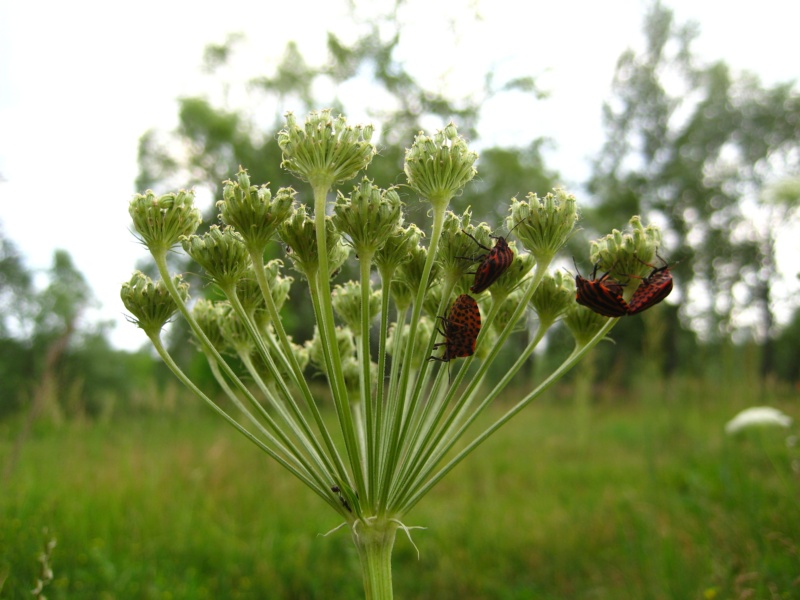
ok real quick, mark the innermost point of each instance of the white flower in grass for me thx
(757, 416)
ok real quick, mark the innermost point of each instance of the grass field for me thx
(645, 498)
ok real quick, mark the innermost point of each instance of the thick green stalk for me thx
(374, 540)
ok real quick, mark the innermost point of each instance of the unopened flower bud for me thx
(368, 216)
(346, 301)
(627, 256)
(208, 315)
(554, 296)
(511, 278)
(235, 332)
(344, 339)
(508, 305)
(397, 248)
(299, 233)
(456, 247)
(325, 150)
(409, 276)
(351, 369)
(544, 225)
(252, 210)
(251, 297)
(161, 221)
(438, 167)
(583, 323)
(221, 252)
(151, 303)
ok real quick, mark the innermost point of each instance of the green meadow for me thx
(639, 496)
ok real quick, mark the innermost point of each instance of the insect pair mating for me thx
(604, 295)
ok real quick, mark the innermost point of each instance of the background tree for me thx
(693, 147)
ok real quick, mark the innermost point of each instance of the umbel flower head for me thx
(299, 234)
(325, 150)
(252, 210)
(221, 252)
(456, 246)
(161, 221)
(544, 224)
(397, 247)
(627, 255)
(150, 303)
(583, 323)
(438, 167)
(402, 419)
(554, 296)
(346, 300)
(757, 416)
(209, 317)
(367, 216)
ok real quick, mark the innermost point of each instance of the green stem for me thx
(433, 441)
(290, 463)
(400, 402)
(391, 399)
(161, 262)
(295, 421)
(374, 540)
(257, 258)
(365, 380)
(575, 357)
(327, 329)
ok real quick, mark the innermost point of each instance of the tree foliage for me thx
(694, 146)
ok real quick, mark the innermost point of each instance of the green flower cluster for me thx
(399, 415)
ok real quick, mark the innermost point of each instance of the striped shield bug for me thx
(493, 264)
(653, 289)
(462, 324)
(603, 296)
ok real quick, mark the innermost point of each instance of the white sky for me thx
(81, 81)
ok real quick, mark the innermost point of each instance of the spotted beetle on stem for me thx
(462, 324)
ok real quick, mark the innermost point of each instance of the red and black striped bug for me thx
(493, 264)
(653, 289)
(462, 324)
(603, 296)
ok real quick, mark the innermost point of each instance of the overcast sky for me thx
(81, 81)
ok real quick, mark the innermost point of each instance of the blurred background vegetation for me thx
(709, 155)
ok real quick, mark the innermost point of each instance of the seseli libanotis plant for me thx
(399, 414)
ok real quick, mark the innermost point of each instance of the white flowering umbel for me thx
(403, 420)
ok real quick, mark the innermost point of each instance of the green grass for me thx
(650, 501)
